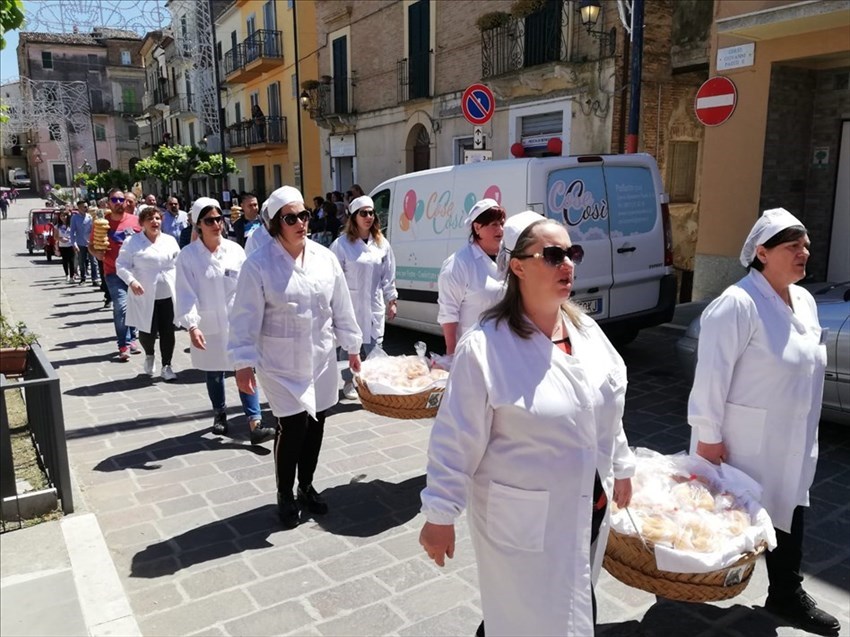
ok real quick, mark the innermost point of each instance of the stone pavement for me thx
(190, 522)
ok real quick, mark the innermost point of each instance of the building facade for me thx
(787, 144)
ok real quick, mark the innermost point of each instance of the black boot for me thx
(803, 612)
(219, 427)
(311, 500)
(287, 509)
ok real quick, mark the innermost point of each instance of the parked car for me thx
(833, 301)
(19, 178)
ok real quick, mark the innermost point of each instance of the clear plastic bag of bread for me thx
(400, 375)
(100, 231)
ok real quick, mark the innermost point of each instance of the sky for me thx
(53, 16)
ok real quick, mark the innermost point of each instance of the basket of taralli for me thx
(692, 532)
(405, 387)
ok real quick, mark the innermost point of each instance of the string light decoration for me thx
(62, 107)
(83, 16)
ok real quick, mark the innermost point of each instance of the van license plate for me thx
(591, 306)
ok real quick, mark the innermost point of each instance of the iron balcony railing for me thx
(269, 129)
(129, 108)
(414, 76)
(264, 43)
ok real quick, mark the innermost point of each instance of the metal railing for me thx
(269, 129)
(129, 108)
(414, 76)
(260, 44)
(46, 423)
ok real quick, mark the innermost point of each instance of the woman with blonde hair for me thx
(369, 265)
(530, 436)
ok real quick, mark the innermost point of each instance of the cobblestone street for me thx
(190, 518)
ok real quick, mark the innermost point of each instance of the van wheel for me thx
(621, 338)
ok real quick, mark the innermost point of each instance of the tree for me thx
(95, 182)
(11, 17)
(181, 163)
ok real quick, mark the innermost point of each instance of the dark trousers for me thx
(162, 326)
(297, 443)
(783, 562)
(69, 261)
(103, 287)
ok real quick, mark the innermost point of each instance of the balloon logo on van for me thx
(440, 209)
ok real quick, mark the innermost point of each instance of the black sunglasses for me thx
(556, 255)
(117, 199)
(211, 221)
(291, 219)
(366, 213)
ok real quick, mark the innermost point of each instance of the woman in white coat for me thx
(207, 272)
(291, 303)
(757, 392)
(147, 264)
(469, 280)
(369, 266)
(530, 431)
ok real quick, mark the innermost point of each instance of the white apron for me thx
(148, 263)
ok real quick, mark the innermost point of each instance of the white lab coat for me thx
(370, 274)
(521, 431)
(206, 287)
(284, 320)
(257, 239)
(758, 388)
(149, 264)
(469, 283)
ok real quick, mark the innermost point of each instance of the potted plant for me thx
(15, 342)
(524, 8)
(492, 20)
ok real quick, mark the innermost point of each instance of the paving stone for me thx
(133, 536)
(347, 597)
(277, 561)
(216, 579)
(404, 575)
(290, 585)
(159, 494)
(378, 619)
(433, 598)
(460, 620)
(155, 599)
(184, 474)
(197, 615)
(231, 493)
(403, 546)
(208, 483)
(355, 563)
(323, 546)
(274, 620)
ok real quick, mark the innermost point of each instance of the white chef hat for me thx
(480, 206)
(281, 197)
(514, 227)
(264, 212)
(768, 225)
(200, 204)
(361, 202)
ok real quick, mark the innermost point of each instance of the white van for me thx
(613, 205)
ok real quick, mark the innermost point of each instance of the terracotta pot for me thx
(13, 361)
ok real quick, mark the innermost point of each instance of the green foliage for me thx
(11, 17)
(15, 335)
(181, 163)
(95, 182)
(212, 166)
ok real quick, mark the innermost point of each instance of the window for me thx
(132, 131)
(218, 51)
(682, 171)
(92, 59)
(419, 49)
(278, 178)
(96, 100)
(462, 144)
(269, 18)
(191, 133)
(100, 132)
(128, 97)
(125, 58)
(46, 60)
(237, 112)
(382, 207)
(55, 132)
(290, 4)
(339, 68)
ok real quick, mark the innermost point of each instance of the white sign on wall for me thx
(475, 156)
(343, 146)
(736, 57)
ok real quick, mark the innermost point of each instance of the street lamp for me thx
(589, 11)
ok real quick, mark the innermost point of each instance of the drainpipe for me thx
(637, 63)
(298, 103)
(224, 183)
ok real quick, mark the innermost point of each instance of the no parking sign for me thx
(478, 104)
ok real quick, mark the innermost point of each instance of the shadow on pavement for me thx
(83, 342)
(667, 617)
(106, 320)
(364, 509)
(140, 381)
(208, 542)
(137, 424)
(60, 315)
(194, 442)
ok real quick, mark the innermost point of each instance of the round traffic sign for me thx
(715, 101)
(478, 104)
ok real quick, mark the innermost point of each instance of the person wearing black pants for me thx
(297, 444)
(107, 297)
(162, 326)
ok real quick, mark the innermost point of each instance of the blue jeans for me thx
(215, 389)
(118, 292)
(86, 263)
(342, 355)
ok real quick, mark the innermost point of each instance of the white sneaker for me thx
(149, 365)
(168, 373)
(349, 391)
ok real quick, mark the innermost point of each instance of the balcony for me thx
(414, 76)
(254, 134)
(182, 104)
(551, 34)
(129, 109)
(259, 53)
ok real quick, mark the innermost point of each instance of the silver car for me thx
(833, 301)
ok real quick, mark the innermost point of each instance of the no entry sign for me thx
(478, 104)
(715, 101)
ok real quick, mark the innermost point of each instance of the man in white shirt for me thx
(174, 219)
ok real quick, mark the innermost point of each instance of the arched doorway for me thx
(103, 165)
(418, 149)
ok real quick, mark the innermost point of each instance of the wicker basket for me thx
(408, 407)
(633, 563)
